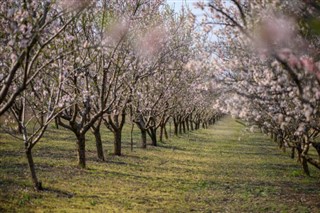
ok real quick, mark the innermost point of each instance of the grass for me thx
(220, 169)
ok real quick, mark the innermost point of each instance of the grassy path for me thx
(221, 169)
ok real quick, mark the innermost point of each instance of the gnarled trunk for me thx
(153, 135)
(97, 135)
(165, 132)
(117, 142)
(187, 124)
(304, 155)
(176, 126)
(305, 166)
(143, 138)
(115, 124)
(317, 147)
(162, 127)
(183, 127)
(81, 143)
(36, 183)
(191, 124)
(56, 123)
(292, 152)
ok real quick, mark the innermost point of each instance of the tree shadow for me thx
(59, 193)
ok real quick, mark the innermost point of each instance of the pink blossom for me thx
(308, 64)
(117, 31)
(277, 30)
(74, 4)
(150, 43)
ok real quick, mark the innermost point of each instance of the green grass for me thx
(221, 169)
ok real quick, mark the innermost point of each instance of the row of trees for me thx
(267, 68)
(84, 64)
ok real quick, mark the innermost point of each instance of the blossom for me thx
(151, 42)
(308, 64)
(74, 4)
(116, 31)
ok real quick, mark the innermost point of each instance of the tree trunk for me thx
(131, 136)
(143, 138)
(304, 154)
(19, 129)
(292, 152)
(299, 151)
(184, 127)
(317, 147)
(180, 127)
(81, 142)
(165, 132)
(191, 125)
(97, 135)
(176, 126)
(36, 183)
(161, 132)
(153, 135)
(117, 142)
(56, 122)
(187, 124)
(197, 125)
(271, 135)
(305, 166)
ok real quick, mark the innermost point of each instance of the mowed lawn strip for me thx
(224, 168)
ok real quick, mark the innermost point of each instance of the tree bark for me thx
(176, 126)
(81, 142)
(36, 183)
(143, 138)
(305, 166)
(131, 137)
(183, 127)
(117, 142)
(153, 135)
(56, 122)
(317, 147)
(116, 125)
(187, 124)
(165, 132)
(191, 125)
(161, 132)
(292, 152)
(304, 155)
(197, 125)
(97, 135)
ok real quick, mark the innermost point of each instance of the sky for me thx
(177, 4)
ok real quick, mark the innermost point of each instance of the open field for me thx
(221, 169)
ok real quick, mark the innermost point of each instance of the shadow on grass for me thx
(59, 193)
(250, 153)
(9, 153)
(171, 147)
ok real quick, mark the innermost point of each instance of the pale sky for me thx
(177, 4)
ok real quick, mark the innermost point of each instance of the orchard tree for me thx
(27, 30)
(266, 59)
(31, 85)
(39, 104)
(89, 82)
(166, 57)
